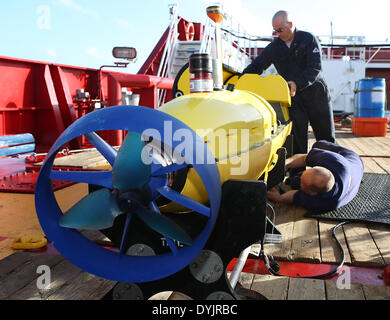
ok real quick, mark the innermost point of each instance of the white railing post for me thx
(166, 57)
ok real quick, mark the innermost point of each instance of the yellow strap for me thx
(27, 242)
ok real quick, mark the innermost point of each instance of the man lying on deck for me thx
(332, 181)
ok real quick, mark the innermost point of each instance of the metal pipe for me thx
(218, 71)
(167, 44)
(235, 275)
(142, 80)
(215, 14)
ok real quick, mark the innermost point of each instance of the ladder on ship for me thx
(181, 55)
(239, 48)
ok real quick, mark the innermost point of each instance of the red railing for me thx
(41, 98)
(152, 63)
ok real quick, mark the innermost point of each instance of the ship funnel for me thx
(215, 14)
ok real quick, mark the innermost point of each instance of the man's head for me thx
(283, 27)
(317, 180)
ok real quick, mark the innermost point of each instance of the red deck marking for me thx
(369, 276)
(48, 249)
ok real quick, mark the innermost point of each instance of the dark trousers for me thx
(311, 105)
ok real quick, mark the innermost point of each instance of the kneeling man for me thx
(332, 180)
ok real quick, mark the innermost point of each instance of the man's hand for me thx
(296, 161)
(287, 197)
(273, 195)
(293, 88)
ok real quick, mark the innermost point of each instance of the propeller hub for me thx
(133, 199)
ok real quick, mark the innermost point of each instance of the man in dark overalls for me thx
(296, 56)
(331, 182)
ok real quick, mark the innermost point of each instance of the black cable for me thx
(246, 38)
(274, 272)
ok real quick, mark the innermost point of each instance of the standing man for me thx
(296, 56)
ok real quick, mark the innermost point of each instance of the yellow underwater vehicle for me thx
(240, 127)
(185, 193)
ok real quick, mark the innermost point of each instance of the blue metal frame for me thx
(86, 254)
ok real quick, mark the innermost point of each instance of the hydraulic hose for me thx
(273, 267)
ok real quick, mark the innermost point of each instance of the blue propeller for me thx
(129, 170)
(130, 194)
(96, 211)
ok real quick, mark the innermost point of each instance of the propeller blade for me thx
(163, 225)
(124, 235)
(95, 211)
(130, 171)
(153, 206)
(184, 201)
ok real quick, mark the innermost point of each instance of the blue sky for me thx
(83, 32)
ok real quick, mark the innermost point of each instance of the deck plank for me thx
(104, 287)
(384, 163)
(284, 221)
(89, 159)
(305, 242)
(13, 261)
(81, 287)
(77, 159)
(362, 247)
(381, 237)
(306, 289)
(330, 251)
(26, 273)
(246, 279)
(377, 145)
(271, 287)
(376, 292)
(355, 292)
(346, 142)
(60, 275)
(19, 278)
(363, 144)
(371, 166)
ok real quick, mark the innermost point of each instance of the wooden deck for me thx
(311, 240)
(19, 279)
(283, 288)
(18, 270)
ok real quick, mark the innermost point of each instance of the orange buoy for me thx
(215, 14)
(190, 31)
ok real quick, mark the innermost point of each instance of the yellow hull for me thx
(240, 129)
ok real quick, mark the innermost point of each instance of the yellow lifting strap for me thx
(28, 242)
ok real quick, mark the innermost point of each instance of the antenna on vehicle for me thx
(215, 14)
